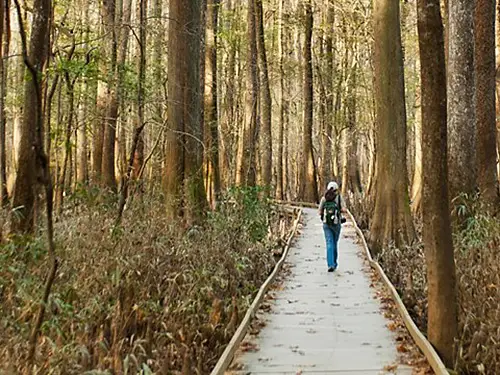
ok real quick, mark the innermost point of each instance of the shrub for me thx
(149, 297)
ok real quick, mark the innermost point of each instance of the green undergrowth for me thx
(477, 257)
(151, 297)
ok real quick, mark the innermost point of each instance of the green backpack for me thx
(332, 212)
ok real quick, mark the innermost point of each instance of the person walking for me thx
(330, 210)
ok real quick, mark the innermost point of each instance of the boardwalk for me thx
(320, 322)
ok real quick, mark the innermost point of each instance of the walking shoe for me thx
(331, 269)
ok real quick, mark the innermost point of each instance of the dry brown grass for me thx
(148, 297)
(477, 256)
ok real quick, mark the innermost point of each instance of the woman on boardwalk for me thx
(331, 208)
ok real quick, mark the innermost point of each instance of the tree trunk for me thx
(111, 109)
(461, 106)
(484, 33)
(82, 169)
(392, 219)
(442, 300)
(61, 182)
(211, 121)
(326, 135)
(82, 174)
(23, 199)
(184, 164)
(280, 192)
(416, 189)
(17, 122)
(497, 85)
(141, 80)
(108, 151)
(228, 110)
(265, 101)
(4, 52)
(308, 183)
(157, 36)
(353, 181)
(246, 172)
(98, 132)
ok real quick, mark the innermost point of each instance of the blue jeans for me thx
(332, 235)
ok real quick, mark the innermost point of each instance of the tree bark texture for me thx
(111, 109)
(461, 106)
(23, 199)
(442, 299)
(98, 132)
(280, 192)
(327, 135)
(246, 166)
(392, 221)
(185, 194)
(265, 101)
(308, 181)
(416, 186)
(4, 48)
(61, 179)
(484, 61)
(211, 121)
(141, 81)
(497, 83)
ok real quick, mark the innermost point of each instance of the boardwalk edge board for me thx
(421, 341)
(228, 354)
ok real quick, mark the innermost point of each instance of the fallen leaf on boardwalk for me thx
(390, 368)
(249, 347)
(402, 348)
(392, 326)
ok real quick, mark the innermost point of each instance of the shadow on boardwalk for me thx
(320, 322)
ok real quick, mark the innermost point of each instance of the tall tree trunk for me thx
(111, 109)
(497, 84)
(461, 106)
(4, 52)
(265, 101)
(353, 181)
(308, 183)
(157, 32)
(61, 179)
(139, 151)
(211, 121)
(82, 172)
(246, 172)
(326, 135)
(228, 110)
(17, 121)
(183, 175)
(484, 33)
(416, 189)
(23, 199)
(442, 313)
(392, 220)
(280, 191)
(98, 132)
